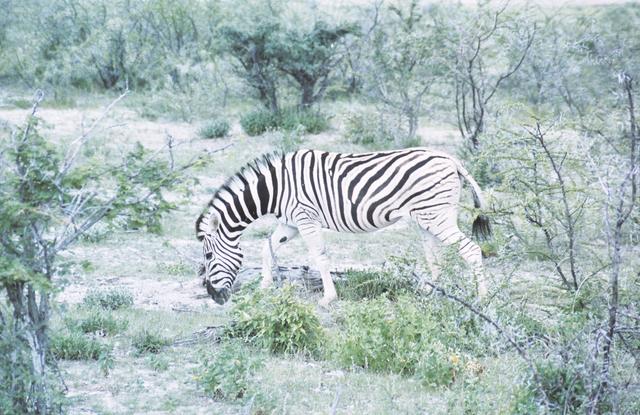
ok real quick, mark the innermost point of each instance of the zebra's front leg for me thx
(315, 244)
(281, 235)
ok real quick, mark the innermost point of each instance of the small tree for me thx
(48, 199)
(309, 57)
(256, 64)
(406, 62)
(619, 184)
(490, 46)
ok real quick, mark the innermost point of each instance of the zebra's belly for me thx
(360, 219)
(364, 228)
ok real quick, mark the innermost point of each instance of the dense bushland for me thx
(543, 100)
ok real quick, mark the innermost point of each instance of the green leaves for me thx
(277, 321)
(269, 51)
(405, 336)
(227, 373)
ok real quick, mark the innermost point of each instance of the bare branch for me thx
(76, 145)
(522, 352)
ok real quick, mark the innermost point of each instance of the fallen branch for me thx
(211, 334)
(305, 276)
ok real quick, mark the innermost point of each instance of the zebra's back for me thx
(363, 192)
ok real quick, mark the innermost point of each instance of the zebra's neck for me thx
(248, 195)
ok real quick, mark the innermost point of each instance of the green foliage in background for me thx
(52, 193)
(74, 345)
(257, 122)
(227, 372)
(108, 298)
(98, 321)
(149, 341)
(16, 374)
(312, 121)
(217, 128)
(403, 336)
(260, 121)
(368, 284)
(278, 321)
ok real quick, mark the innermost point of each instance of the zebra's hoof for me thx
(326, 300)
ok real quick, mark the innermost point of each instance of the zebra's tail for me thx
(481, 227)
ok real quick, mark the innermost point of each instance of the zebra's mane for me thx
(249, 171)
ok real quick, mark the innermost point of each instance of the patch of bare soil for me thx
(149, 294)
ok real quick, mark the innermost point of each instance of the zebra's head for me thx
(222, 258)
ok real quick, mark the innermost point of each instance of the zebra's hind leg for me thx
(431, 246)
(281, 235)
(446, 230)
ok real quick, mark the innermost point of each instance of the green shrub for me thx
(109, 299)
(159, 363)
(289, 141)
(227, 373)
(313, 122)
(368, 129)
(148, 341)
(98, 321)
(375, 131)
(21, 103)
(438, 365)
(371, 283)
(214, 129)
(364, 128)
(402, 336)
(277, 321)
(564, 383)
(258, 122)
(76, 346)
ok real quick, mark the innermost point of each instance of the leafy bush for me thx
(365, 128)
(437, 365)
(313, 122)
(277, 321)
(393, 280)
(374, 130)
(564, 383)
(227, 373)
(214, 129)
(76, 346)
(98, 321)
(109, 299)
(361, 284)
(159, 363)
(258, 122)
(148, 341)
(402, 336)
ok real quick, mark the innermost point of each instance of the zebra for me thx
(308, 190)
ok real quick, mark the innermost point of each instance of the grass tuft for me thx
(148, 341)
(109, 299)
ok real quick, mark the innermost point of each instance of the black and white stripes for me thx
(309, 190)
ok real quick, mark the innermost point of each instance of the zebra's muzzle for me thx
(220, 296)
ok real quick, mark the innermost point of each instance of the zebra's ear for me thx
(206, 224)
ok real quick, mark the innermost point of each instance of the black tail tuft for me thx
(481, 228)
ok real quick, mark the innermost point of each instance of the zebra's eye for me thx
(208, 255)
